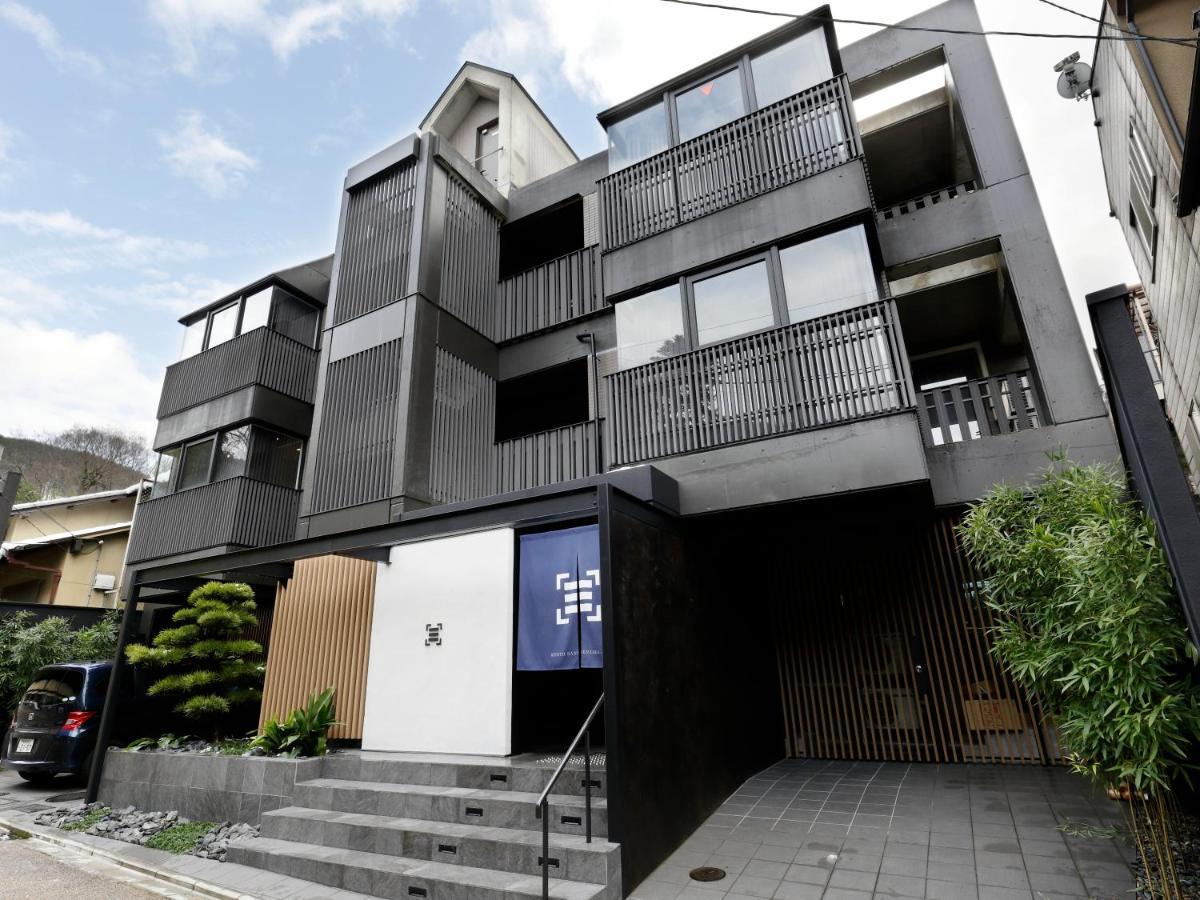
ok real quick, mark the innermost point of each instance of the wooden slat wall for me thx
(890, 661)
(321, 636)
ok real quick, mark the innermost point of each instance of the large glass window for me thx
(196, 460)
(634, 138)
(257, 310)
(224, 325)
(710, 105)
(733, 303)
(791, 68)
(295, 318)
(650, 327)
(165, 472)
(231, 453)
(828, 274)
(275, 457)
(193, 338)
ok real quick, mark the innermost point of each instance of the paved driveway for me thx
(852, 831)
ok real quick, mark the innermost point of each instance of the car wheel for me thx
(37, 777)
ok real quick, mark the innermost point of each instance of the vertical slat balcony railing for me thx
(237, 512)
(261, 356)
(985, 407)
(821, 372)
(785, 142)
(548, 295)
(548, 457)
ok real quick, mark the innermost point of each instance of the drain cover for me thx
(706, 873)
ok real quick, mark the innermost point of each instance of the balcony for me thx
(984, 407)
(548, 457)
(236, 512)
(555, 292)
(813, 374)
(259, 357)
(777, 145)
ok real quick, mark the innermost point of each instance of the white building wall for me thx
(456, 697)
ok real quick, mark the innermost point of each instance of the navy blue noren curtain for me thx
(558, 601)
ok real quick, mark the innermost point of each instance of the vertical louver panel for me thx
(373, 268)
(464, 423)
(358, 432)
(470, 258)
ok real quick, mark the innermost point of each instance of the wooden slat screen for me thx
(321, 636)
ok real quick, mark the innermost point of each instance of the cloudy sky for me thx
(155, 154)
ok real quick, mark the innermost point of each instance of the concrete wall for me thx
(455, 697)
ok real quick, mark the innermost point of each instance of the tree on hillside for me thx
(104, 453)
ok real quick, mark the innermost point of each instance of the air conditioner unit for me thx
(104, 582)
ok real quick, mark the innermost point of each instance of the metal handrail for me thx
(543, 803)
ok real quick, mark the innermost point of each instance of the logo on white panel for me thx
(577, 596)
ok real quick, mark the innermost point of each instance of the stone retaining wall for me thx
(203, 787)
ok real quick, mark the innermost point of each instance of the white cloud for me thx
(80, 244)
(46, 36)
(19, 294)
(197, 151)
(55, 378)
(168, 296)
(193, 27)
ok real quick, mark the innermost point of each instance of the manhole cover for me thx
(706, 873)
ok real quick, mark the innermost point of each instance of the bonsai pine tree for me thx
(209, 665)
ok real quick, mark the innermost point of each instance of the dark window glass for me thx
(54, 688)
(275, 457)
(828, 274)
(539, 401)
(791, 68)
(231, 454)
(164, 472)
(256, 310)
(196, 459)
(710, 105)
(546, 235)
(295, 318)
(636, 137)
(733, 303)
(224, 325)
(650, 327)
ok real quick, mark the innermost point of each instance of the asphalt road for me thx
(28, 874)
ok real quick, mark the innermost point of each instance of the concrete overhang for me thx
(256, 403)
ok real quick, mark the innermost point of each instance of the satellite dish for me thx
(1074, 78)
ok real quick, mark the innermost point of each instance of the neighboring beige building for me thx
(69, 551)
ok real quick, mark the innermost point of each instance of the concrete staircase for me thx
(406, 826)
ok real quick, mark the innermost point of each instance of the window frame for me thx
(1143, 187)
(216, 436)
(672, 98)
(239, 301)
(774, 288)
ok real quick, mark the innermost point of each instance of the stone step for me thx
(399, 878)
(508, 849)
(501, 775)
(466, 806)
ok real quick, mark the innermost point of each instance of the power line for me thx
(1190, 42)
(1114, 25)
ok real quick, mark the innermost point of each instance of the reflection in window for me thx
(650, 327)
(791, 68)
(828, 274)
(231, 455)
(224, 325)
(295, 318)
(710, 105)
(633, 139)
(257, 311)
(193, 338)
(196, 459)
(276, 457)
(165, 472)
(733, 303)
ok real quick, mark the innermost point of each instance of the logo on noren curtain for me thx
(577, 597)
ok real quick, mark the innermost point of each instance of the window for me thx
(256, 310)
(276, 457)
(197, 460)
(633, 139)
(295, 318)
(650, 327)
(231, 453)
(733, 303)
(828, 274)
(710, 105)
(223, 326)
(193, 337)
(791, 68)
(1142, 184)
(164, 472)
(487, 147)
(542, 400)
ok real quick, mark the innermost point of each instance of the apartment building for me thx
(686, 424)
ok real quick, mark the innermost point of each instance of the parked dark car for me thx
(55, 725)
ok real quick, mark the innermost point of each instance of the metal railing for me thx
(985, 407)
(774, 146)
(261, 356)
(813, 374)
(548, 295)
(547, 457)
(543, 801)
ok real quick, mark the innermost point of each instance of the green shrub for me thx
(205, 657)
(179, 838)
(26, 646)
(303, 732)
(92, 817)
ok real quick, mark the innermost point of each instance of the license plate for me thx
(25, 745)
